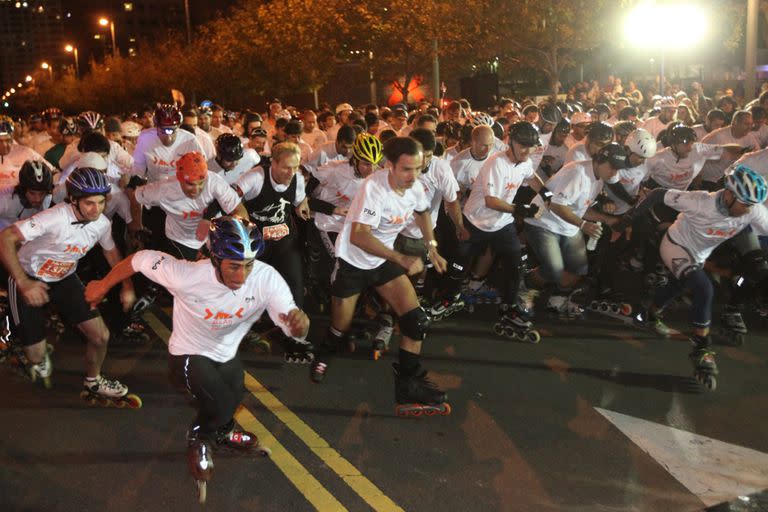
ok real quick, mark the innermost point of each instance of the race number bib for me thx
(275, 232)
(55, 269)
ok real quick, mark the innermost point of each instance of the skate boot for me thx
(258, 341)
(383, 336)
(200, 464)
(298, 351)
(418, 395)
(733, 327)
(135, 331)
(42, 371)
(229, 436)
(108, 393)
(334, 342)
(611, 304)
(652, 321)
(445, 308)
(512, 325)
(703, 359)
(564, 307)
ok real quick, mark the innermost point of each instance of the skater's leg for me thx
(400, 294)
(702, 292)
(97, 337)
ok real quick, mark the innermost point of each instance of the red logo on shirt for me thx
(397, 219)
(342, 197)
(191, 215)
(222, 315)
(76, 249)
(510, 186)
(719, 233)
(162, 163)
(679, 177)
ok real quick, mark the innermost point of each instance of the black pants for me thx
(218, 388)
(285, 256)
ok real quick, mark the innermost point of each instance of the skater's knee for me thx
(415, 324)
(698, 282)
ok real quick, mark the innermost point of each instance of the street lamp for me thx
(28, 78)
(646, 27)
(104, 22)
(47, 67)
(71, 49)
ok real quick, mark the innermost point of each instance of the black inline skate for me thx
(417, 395)
(445, 308)
(298, 351)
(514, 326)
(611, 304)
(732, 327)
(200, 464)
(703, 360)
(380, 343)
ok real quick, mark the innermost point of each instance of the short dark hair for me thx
(281, 123)
(758, 113)
(426, 118)
(93, 142)
(371, 118)
(425, 137)
(714, 114)
(387, 135)
(399, 146)
(293, 127)
(626, 112)
(346, 134)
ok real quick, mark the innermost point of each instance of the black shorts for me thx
(180, 251)
(348, 280)
(67, 297)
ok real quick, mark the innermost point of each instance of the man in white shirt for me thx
(339, 149)
(599, 134)
(192, 120)
(41, 254)
(343, 110)
(30, 196)
(215, 303)
(311, 134)
(553, 156)
(580, 122)
(217, 123)
(716, 119)
(12, 155)
(90, 121)
(381, 209)
(293, 133)
(232, 160)
(739, 133)
(654, 125)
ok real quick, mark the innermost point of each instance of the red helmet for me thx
(191, 167)
(167, 116)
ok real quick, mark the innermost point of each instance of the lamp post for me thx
(48, 68)
(73, 50)
(644, 28)
(104, 22)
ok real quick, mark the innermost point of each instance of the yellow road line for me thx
(299, 476)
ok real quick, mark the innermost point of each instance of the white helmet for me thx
(667, 102)
(480, 119)
(130, 129)
(642, 143)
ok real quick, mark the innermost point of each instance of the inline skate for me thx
(200, 464)
(484, 294)
(513, 325)
(108, 393)
(383, 336)
(732, 327)
(445, 308)
(703, 360)
(564, 307)
(298, 351)
(417, 395)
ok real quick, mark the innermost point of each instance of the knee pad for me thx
(415, 324)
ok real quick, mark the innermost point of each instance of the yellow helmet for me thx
(367, 148)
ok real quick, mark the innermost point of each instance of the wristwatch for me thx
(432, 243)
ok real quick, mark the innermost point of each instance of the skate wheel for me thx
(430, 412)
(376, 355)
(120, 404)
(445, 409)
(498, 329)
(626, 309)
(202, 491)
(510, 333)
(263, 451)
(47, 384)
(594, 305)
(401, 411)
(133, 401)
(416, 412)
(533, 337)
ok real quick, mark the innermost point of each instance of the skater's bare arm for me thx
(592, 229)
(424, 222)
(97, 289)
(297, 322)
(494, 203)
(362, 237)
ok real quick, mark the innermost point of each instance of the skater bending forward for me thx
(215, 303)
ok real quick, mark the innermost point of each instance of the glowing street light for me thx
(47, 67)
(71, 49)
(28, 78)
(646, 27)
(104, 22)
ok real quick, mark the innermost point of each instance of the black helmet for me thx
(167, 116)
(600, 132)
(524, 134)
(34, 175)
(680, 134)
(229, 147)
(550, 114)
(90, 121)
(563, 126)
(614, 154)
(624, 128)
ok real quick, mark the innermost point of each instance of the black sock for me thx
(409, 363)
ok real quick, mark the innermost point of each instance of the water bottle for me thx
(592, 242)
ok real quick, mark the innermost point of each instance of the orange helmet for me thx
(191, 167)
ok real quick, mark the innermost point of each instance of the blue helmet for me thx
(232, 238)
(748, 186)
(86, 181)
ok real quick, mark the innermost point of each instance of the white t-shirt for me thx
(466, 167)
(158, 162)
(630, 179)
(42, 143)
(250, 160)
(210, 319)
(700, 227)
(451, 153)
(762, 135)
(558, 154)
(251, 182)
(322, 155)
(387, 212)
(117, 156)
(574, 186)
(206, 142)
(53, 244)
(10, 164)
(315, 138)
(654, 126)
(216, 131)
(700, 131)
(713, 169)
(338, 186)
(11, 209)
(576, 153)
(669, 172)
(501, 178)
(183, 213)
(439, 184)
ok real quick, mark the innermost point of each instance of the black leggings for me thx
(285, 256)
(218, 388)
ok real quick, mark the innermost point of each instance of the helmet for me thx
(480, 119)
(167, 116)
(232, 238)
(67, 126)
(6, 125)
(204, 110)
(666, 102)
(748, 186)
(563, 126)
(452, 130)
(191, 167)
(622, 129)
(642, 143)
(550, 114)
(581, 118)
(614, 154)
(367, 148)
(600, 132)
(34, 175)
(130, 129)
(524, 134)
(51, 114)
(229, 147)
(680, 134)
(90, 121)
(86, 181)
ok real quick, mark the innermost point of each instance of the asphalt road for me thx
(533, 428)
